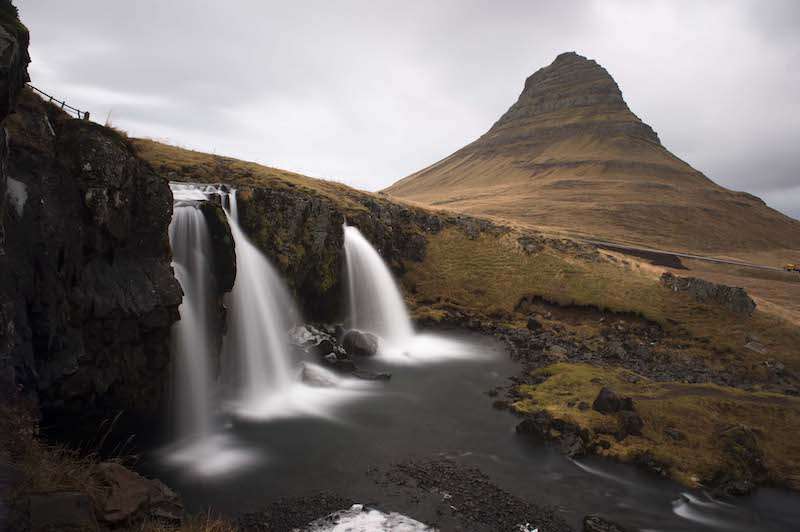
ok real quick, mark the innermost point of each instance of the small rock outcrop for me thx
(732, 298)
(743, 467)
(608, 402)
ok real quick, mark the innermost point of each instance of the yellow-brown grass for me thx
(491, 274)
(699, 411)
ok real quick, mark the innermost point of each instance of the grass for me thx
(491, 274)
(40, 468)
(181, 164)
(43, 467)
(699, 411)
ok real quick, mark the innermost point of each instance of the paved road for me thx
(613, 246)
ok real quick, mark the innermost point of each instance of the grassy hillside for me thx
(570, 157)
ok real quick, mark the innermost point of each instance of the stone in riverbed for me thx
(358, 343)
(595, 523)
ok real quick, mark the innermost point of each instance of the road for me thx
(653, 253)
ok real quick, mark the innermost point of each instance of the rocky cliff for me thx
(88, 292)
(297, 222)
(571, 157)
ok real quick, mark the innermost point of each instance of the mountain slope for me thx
(570, 156)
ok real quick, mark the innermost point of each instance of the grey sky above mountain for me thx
(366, 92)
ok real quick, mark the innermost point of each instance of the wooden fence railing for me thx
(64, 105)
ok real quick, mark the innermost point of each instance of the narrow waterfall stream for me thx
(376, 304)
(261, 309)
(192, 343)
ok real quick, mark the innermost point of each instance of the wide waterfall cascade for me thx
(376, 304)
(191, 335)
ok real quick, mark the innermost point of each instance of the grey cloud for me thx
(367, 92)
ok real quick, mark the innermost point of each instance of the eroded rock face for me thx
(87, 281)
(732, 298)
(301, 232)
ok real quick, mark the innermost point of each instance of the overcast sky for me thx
(368, 92)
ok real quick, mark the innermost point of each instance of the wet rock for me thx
(130, 498)
(596, 523)
(535, 427)
(62, 510)
(344, 365)
(223, 249)
(316, 341)
(359, 343)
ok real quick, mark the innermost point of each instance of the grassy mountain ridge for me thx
(570, 157)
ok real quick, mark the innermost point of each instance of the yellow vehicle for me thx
(792, 268)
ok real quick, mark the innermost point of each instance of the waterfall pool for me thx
(441, 411)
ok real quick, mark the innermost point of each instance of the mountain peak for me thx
(578, 90)
(570, 156)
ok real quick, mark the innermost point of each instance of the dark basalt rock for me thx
(359, 343)
(86, 270)
(222, 246)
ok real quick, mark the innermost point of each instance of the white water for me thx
(200, 447)
(360, 519)
(191, 338)
(258, 321)
(376, 304)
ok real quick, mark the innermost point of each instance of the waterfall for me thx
(376, 304)
(258, 321)
(192, 340)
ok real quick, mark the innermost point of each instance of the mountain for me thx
(570, 157)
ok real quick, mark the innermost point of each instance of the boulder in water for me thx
(359, 343)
